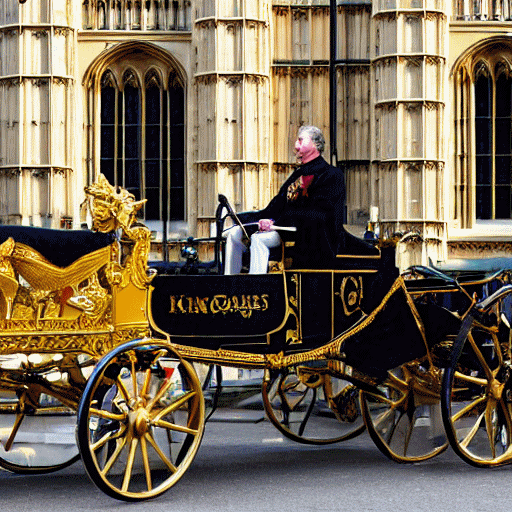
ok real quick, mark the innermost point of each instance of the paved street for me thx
(250, 467)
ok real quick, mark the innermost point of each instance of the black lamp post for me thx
(332, 82)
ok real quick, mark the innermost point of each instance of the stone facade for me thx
(179, 100)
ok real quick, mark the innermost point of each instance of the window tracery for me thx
(141, 133)
(483, 169)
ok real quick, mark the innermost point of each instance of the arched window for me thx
(493, 115)
(482, 173)
(142, 142)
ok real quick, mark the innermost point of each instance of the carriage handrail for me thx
(432, 272)
(484, 305)
(476, 310)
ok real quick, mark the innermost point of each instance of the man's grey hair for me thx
(316, 136)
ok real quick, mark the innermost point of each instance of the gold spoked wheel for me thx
(404, 417)
(140, 420)
(477, 389)
(311, 407)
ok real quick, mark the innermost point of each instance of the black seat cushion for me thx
(60, 247)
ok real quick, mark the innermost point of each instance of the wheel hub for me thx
(140, 422)
(496, 389)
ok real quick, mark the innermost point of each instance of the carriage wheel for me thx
(404, 417)
(140, 420)
(36, 440)
(314, 408)
(477, 390)
(37, 431)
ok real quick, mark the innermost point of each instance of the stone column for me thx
(232, 105)
(37, 93)
(408, 65)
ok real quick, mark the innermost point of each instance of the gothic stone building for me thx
(178, 100)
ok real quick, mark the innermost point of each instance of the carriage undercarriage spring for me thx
(93, 340)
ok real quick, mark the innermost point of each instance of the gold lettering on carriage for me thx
(223, 304)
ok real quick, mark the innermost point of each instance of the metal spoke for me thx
(14, 431)
(462, 412)
(145, 385)
(120, 444)
(470, 379)
(174, 406)
(161, 392)
(161, 454)
(392, 430)
(108, 415)
(145, 460)
(481, 359)
(109, 436)
(472, 433)
(408, 437)
(133, 360)
(307, 415)
(129, 464)
(172, 426)
(490, 426)
(122, 388)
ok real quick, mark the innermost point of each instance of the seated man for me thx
(311, 200)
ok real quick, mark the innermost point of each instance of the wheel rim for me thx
(404, 418)
(140, 421)
(317, 409)
(477, 393)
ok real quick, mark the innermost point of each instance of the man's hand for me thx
(265, 224)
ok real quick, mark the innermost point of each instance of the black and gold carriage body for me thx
(303, 316)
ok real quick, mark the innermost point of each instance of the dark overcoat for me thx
(312, 200)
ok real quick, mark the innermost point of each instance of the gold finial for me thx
(111, 209)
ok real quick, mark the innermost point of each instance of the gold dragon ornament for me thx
(113, 210)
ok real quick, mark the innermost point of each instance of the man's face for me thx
(305, 149)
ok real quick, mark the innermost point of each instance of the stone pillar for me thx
(408, 65)
(231, 95)
(37, 94)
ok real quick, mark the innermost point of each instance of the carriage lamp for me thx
(189, 252)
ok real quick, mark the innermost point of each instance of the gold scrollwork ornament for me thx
(351, 294)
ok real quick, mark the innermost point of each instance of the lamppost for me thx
(333, 86)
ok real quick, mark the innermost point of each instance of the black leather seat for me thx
(60, 247)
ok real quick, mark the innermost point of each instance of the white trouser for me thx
(261, 243)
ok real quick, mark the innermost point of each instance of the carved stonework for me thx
(320, 10)
(476, 249)
(11, 81)
(281, 168)
(299, 13)
(256, 79)
(206, 79)
(232, 80)
(281, 10)
(10, 172)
